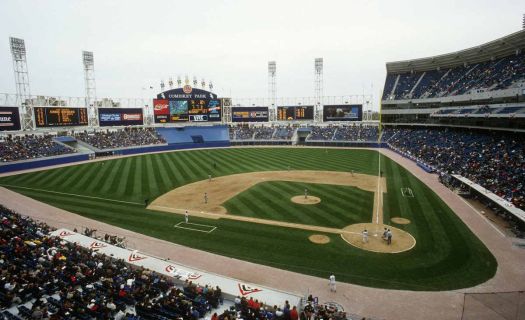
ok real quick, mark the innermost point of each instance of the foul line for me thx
(484, 218)
(71, 194)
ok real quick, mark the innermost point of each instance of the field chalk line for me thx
(195, 224)
(71, 194)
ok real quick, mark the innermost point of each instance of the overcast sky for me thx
(137, 43)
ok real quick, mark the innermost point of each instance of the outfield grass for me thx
(340, 206)
(447, 254)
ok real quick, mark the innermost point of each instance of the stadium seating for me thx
(44, 277)
(30, 147)
(494, 160)
(491, 75)
(124, 138)
(357, 133)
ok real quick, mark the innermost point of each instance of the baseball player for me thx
(305, 193)
(332, 283)
(205, 197)
(186, 216)
(365, 236)
(209, 178)
(389, 237)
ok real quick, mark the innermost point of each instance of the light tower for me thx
(91, 91)
(18, 51)
(318, 69)
(272, 73)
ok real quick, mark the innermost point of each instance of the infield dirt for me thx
(205, 198)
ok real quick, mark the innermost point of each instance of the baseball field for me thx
(299, 209)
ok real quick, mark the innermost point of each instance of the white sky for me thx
(137, 43)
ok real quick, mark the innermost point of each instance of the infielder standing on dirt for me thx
(205, 197)
(332, 283)
(305, 193)
(365, 236)
(209, 178)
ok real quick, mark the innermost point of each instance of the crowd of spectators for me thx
(494, 160)
(322, 133)
(252, 309)
(495, 74)
(242, 133)
(45, 277)
(344, 133)
(15, 148)
(357, 133)
(128, 137)
(261, 132)
(284, 133)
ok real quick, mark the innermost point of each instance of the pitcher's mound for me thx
(319, 239)
(401, 240)
(400, 220)
(308, 200)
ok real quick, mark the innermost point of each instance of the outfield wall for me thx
(42, 162)
(46, 162)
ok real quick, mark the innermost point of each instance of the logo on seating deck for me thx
(95, 245)
(187, 89)
(194, 276)
(65, 234)
(134, 256)
(246, 290)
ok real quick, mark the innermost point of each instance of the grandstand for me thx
(448, 152)
(480, 86)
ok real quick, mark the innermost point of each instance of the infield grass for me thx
(447, 255)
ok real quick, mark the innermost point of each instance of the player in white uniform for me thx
(332, 283)
(365, 236)
(186, 216)
(305, 193)
(209, 178)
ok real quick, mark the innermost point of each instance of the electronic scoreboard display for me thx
(187, 104)
(9, 119)
(120, 116)
(60, 117)
(250, 114)
(346, 112)
(288, 113)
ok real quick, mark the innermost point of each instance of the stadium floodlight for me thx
(90, 86)
(18, 52)
(18, 46)
(87, 58)
(318, 69)
(272, 75)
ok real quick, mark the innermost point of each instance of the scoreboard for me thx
(120, 116)
(187, 104)
(289, 113)
(179, 110)
(60, 117)
(250, 114)
(9, 119)
(346, 112)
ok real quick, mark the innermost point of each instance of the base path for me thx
(219, 190)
